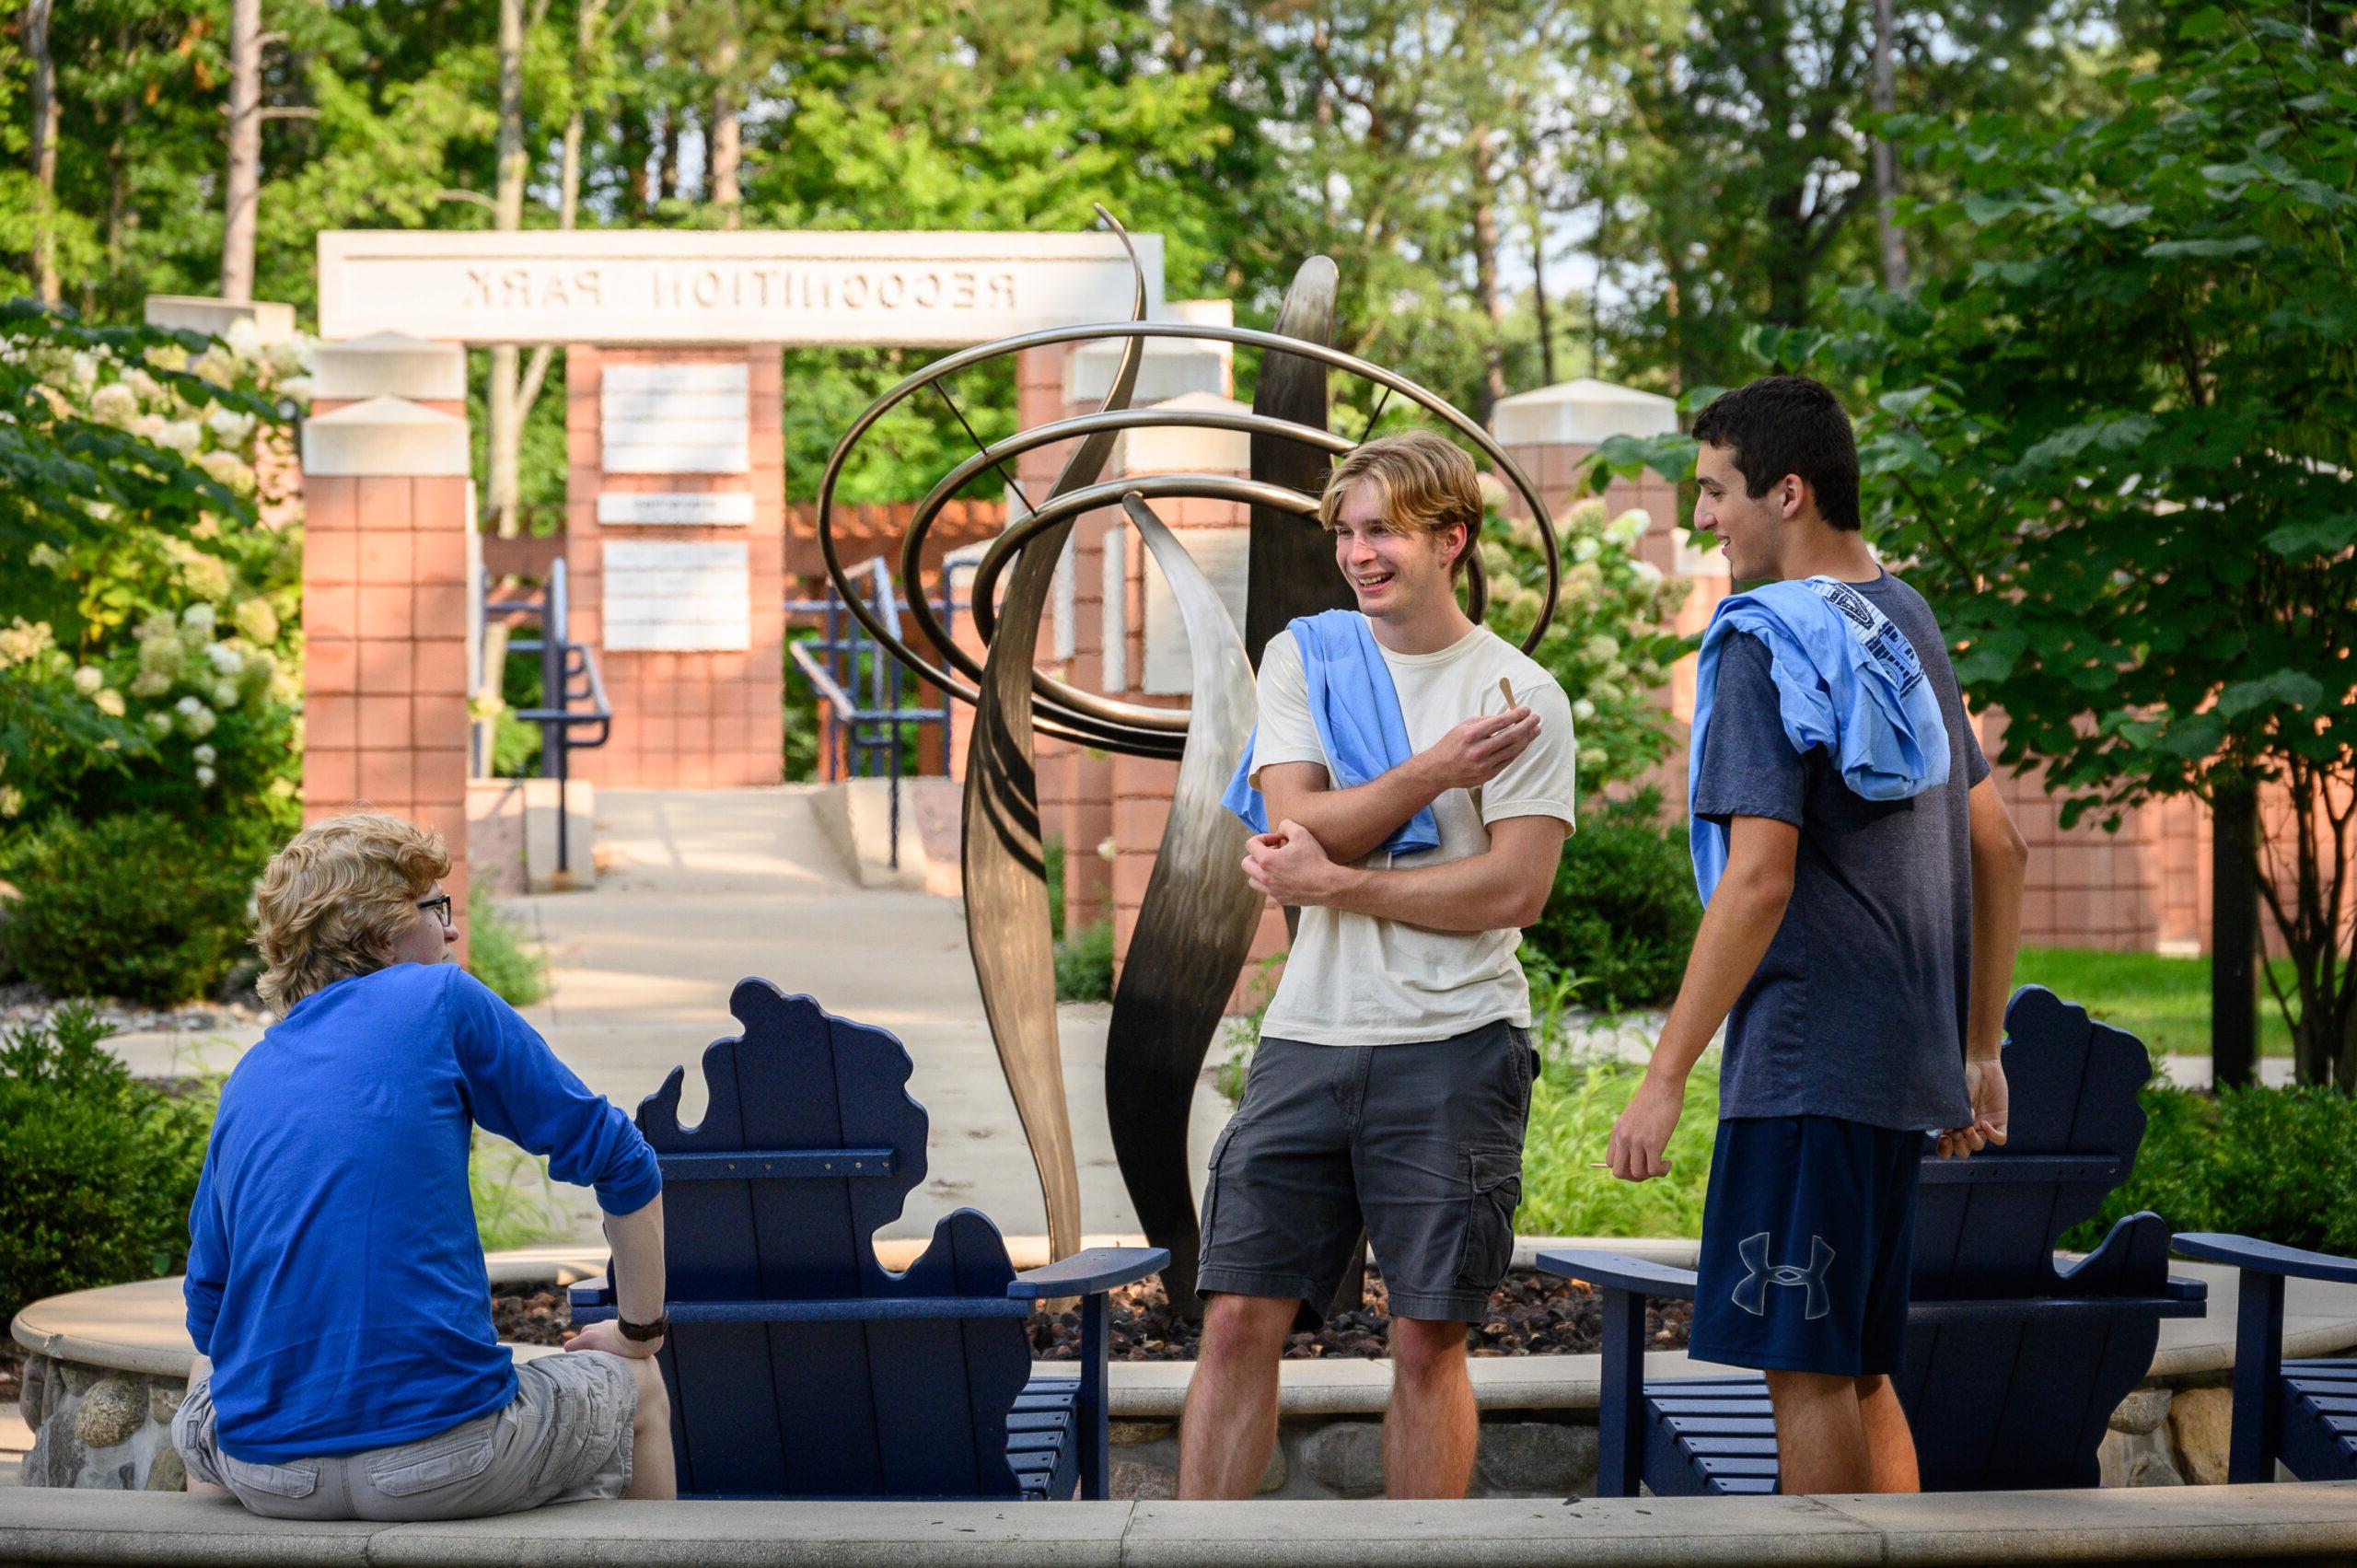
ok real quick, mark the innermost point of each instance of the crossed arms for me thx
(1320, 829)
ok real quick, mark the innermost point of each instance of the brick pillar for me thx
(669, 479)
(387, 563)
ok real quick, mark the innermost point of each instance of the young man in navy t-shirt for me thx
(1860, 952)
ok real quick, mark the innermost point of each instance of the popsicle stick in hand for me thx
(1599, 1164)
(1505, 691)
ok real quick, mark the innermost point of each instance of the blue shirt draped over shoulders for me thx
(334, 1275)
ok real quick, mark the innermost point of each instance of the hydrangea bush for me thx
(153, 577)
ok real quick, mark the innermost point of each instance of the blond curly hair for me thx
(1425, 482)
(334, 901)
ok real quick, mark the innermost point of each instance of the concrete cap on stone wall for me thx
(390, 365)
(1581, 413)
(1171, 368)
(385, 436)
(1178, 448)
(196, 313)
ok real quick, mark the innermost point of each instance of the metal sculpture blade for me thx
(1291, 570)
(1194, 929)
(1006, 888)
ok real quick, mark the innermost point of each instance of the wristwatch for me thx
(642, 1332)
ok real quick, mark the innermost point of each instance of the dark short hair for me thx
(1781, 424)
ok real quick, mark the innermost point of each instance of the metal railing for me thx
(568, 675)
(863, 690)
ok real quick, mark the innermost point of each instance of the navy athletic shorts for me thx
(1807, 1237)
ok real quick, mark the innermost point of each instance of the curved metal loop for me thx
(1062, 710)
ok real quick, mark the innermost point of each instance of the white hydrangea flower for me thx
(226, 661)
(200, 724)
(1585, 550)
(1646, 573)
(47, 559)
(22, 640)
(244, 336)
(150, 683)
(1583, 710)
(199, 616)
(204, 776)
(191, 706)
(108, 702)
(89, 679)
(1630, 527)
(1591, 757)
(114, 403)
(225, 694)
(1602, 648)
(182, 435)
(207, 755)
(12, 801)
(160, 723)
(298, 388)
(230, 426)
(143, 387)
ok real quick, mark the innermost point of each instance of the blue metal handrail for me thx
(844, 659)
(568, 674)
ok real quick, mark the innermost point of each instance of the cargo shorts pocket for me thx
(1495, 1176)
(294, 1480)
(1211, 1188)
(458, 1455)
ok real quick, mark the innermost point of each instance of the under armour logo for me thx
(1751, 1291)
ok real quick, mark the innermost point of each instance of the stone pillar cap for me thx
(273, 322)
(390, 365)
(385, 437)
(1180, 449)
(1583, 412)
(1168, 367)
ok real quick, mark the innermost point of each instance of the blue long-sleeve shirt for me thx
(334, 1276)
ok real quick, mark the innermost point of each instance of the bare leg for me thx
(653, 1477)
(1820, 1437)
(198, 1373)
(1432, 1427)
(1890, 1446)
(1230, 1422)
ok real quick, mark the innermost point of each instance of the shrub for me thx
(1573, 1106)
(2279, 1165)
(137, 906)
(101, 1167)
(498, 956)
(1623, 913)
(1085, 964)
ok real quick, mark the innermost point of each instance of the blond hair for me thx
(337, 897)
(1423, 481)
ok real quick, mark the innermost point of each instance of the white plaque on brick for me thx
(675, 419)
(1224, 554)
(676, 508)
(669, 597)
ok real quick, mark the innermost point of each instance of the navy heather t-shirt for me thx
(1858, 1009)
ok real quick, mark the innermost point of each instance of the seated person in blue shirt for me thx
(346, 1364)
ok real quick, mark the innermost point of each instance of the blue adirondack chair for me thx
(2302, 1413)
(2015, 1361)
(797, 1365)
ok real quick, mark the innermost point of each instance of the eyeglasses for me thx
(441, 908)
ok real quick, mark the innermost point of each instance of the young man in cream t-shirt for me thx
(1392, 1087)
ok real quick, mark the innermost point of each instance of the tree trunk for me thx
(1894, 245)
(503, 437)
(568, 202)
(2234, 935)
(727, 146)
(1486, 271)
(1538, 290)
(241, 190)
(43, 150)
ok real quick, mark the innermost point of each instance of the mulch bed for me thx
(1530, 1314)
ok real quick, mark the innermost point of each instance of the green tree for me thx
(2120, 451)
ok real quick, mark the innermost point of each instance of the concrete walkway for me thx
(701, 888)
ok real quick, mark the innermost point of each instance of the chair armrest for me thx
(592, 1300)
(1616, 1271)
(1089, 1271)
(2179, 1288)
(2264, 1257)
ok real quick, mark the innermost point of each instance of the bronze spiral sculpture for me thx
(1195, 926)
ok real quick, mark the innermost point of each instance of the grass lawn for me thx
(2163, 1002)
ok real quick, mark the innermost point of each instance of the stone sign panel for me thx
(675, 419)
(698, 508)
(666, 597)
(623, 286)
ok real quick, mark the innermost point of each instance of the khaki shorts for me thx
(564, 1439)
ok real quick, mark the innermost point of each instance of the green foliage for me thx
(152, 662)
(1241, 1034)
(1607, 642)
(1573, 1106)
(2279, 1165)
(1624, 911)
(2163, 1002)
(1051, 864)
(497, 953)
(138, 906)
(101, 1167)
(515, 1201)
(801, 716)
(1085, 964)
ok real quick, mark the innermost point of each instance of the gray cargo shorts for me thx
(1421, 1144)
(564, 1439)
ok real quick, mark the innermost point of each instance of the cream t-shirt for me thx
(1355, 979)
